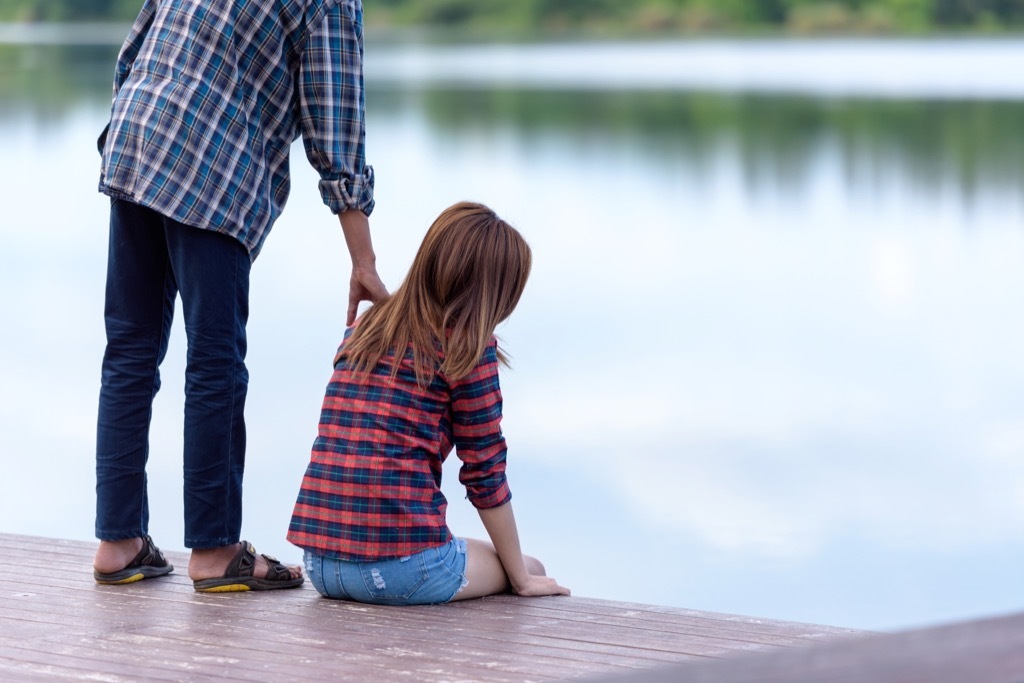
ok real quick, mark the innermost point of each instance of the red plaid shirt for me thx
(373, 486)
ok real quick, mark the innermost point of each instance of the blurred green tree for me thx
(616, 15)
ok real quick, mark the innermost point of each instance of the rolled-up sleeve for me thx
(476, 431)
(332, 108)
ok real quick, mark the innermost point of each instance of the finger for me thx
(353, 305)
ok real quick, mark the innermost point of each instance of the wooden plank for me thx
(161, 659)
(560, 639)
(663, 614)
(59, 625)
(522, 644)
(258, 636)
(452, 644)
(634, 617)
(984, 651)
(376, 649)
(370, 620)
(660, 618)
(483, 614)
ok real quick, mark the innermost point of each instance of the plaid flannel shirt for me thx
(372, 489)
(209, 96)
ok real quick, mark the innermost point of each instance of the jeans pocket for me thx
(394, 579)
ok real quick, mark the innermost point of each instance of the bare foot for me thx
(211, 563)
(113, 556)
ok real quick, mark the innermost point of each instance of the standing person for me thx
(416, 376)
(208, 97)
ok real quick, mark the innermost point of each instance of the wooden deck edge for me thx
(989, 650)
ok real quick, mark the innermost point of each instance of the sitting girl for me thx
(417, 375)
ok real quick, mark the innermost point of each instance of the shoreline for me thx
(113, 32)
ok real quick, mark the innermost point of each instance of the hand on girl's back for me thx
(536, 586)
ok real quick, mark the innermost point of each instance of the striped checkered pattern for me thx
(372, 488)
(209, 96)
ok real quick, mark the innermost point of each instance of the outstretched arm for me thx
(500, 523)
(365, 284)
(476, 428)
(332, 121)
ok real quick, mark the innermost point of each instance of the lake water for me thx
(769, 361)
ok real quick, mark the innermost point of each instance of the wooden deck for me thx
(983, 651)
(57, 624)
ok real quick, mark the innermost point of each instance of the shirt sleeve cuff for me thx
(491, 499)
(344, 194)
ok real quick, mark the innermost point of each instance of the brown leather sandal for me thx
(239, 575)
(149, 563)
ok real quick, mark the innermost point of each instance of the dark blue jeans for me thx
(152, 259)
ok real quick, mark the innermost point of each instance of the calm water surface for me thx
(769, 361)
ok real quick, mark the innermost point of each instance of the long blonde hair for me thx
(467, 277)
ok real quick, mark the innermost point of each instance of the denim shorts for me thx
(430, 576)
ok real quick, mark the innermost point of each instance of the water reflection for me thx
(45, 83)
(934, 144)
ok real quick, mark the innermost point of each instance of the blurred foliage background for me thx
(617, 17)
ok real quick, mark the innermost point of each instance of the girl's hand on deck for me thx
(536, 586)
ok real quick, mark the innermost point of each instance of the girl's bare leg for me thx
(484, 572)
